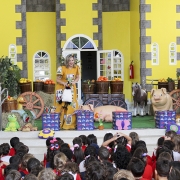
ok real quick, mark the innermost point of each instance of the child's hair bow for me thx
(54, 147)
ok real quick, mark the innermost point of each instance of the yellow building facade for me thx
(130, 27)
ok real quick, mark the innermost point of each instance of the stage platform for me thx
(38, 146)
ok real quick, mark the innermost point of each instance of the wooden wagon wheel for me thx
(33, 102)
(94, 101)
(118, 102)
(175, 94)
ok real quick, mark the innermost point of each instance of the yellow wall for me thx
(41, 35)
(163, 31)
(8, 31)
(79, 18)
(116, 35)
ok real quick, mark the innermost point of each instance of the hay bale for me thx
(47, 98)
(19, 119)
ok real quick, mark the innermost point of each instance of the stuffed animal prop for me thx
(104, 111)
(161, 101)
(28, 127)
(12, 124)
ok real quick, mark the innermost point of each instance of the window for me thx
(154, 54)
(13, 53)
(42, 66)
(111, 64)
(172, 54)
(79, 42)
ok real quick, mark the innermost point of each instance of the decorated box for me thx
(51, 120)
(85, 120)
(162, 118)
(122, 120)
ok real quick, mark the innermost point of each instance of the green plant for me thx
(178, 74)
(98, 116)
(170, 79)
(100, 122)
(10, 76)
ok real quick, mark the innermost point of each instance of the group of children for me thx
(120, 157)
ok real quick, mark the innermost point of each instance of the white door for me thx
(104, 63)
(76, 56)
(110, 63)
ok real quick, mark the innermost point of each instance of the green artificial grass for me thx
(137, 122)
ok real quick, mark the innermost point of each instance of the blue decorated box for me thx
(85, 120)
(122, 120)
(162, 118)
(51, 120)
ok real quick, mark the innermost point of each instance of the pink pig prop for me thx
(161, 100)
(105, 111)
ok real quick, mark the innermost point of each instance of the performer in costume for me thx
(67, 76)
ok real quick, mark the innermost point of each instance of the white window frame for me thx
(78, 48)
(154, 53)
(44, 68)
(13, 53)
(172, 53)
(110, 60)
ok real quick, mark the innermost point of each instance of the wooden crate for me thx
(105, 98)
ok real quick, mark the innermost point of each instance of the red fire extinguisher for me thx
(131, 70)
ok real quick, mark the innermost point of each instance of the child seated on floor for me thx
(159, 143)
(119, 139)
(60, 160)
(13, 142)
(72, 168)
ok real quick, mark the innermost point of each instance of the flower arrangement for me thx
(99, 117)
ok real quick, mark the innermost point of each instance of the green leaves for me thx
(10, 76)
(170, 79)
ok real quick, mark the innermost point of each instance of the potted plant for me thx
(171, 84)
(98, 117)
(88, 86)
(10, 76)
(101, 125)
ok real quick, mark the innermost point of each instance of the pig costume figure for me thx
(161, 100)
(105, 111)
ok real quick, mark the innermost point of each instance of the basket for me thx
(7, 106)
(171, 86)
(38, 86)
(88, 88)
(178, 87)
(116, 87)
(25, 87)
(49, 88)
(163, 85)
(102, 87)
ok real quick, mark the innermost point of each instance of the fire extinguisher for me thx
(131, 70)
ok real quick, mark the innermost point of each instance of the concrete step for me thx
(38, 146)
